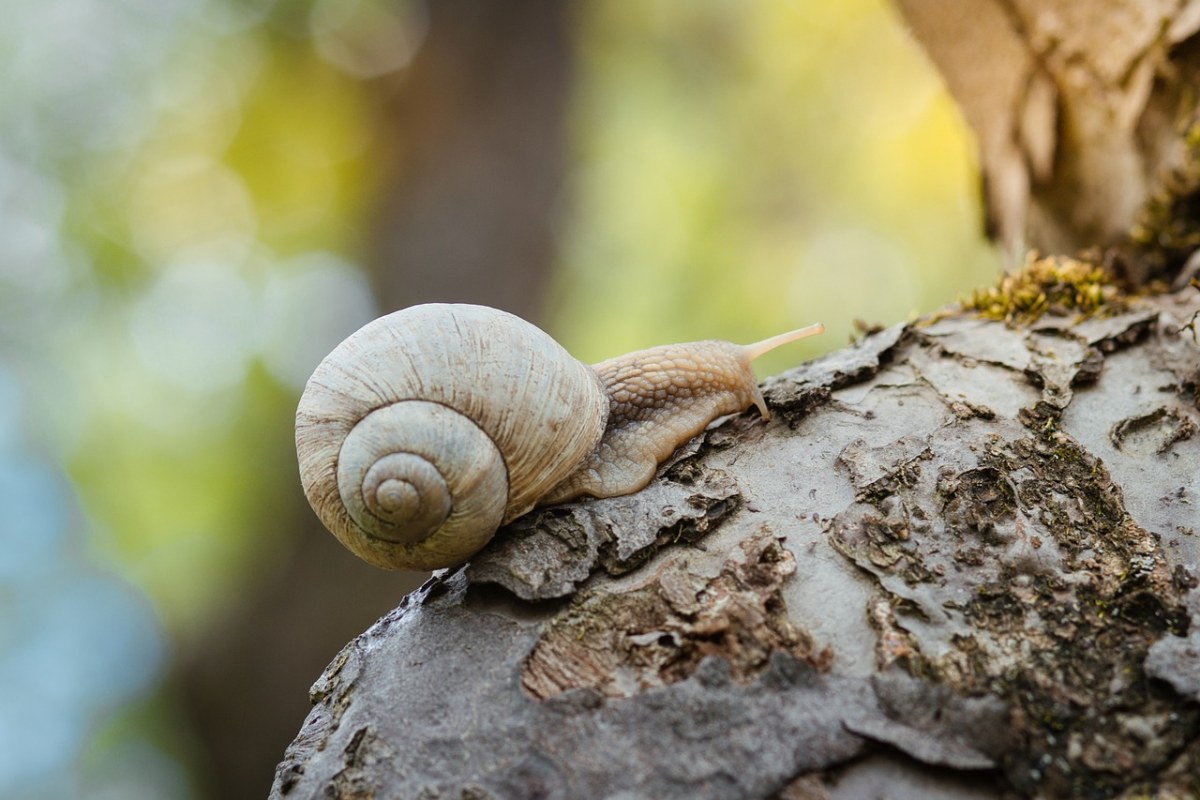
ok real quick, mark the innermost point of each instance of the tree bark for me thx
(1080, 110)
(959, 561)
(960, 558)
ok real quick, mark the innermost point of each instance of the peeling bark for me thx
(1079, 109)
(960, 561)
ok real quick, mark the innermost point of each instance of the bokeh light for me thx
(191, 192)
(798, 159)
(76, 641)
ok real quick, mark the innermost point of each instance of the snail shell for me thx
(428, 429)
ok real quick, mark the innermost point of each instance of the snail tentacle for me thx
(427, 429)
(659, 399)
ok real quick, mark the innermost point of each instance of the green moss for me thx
(1053, 285)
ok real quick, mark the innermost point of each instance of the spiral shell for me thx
(428, 428)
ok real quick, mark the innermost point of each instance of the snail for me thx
(429, 428)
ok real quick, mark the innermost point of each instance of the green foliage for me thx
(741, 169)
(182, 455)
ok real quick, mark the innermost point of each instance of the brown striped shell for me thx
(428, 428)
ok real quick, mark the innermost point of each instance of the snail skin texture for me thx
(428, 429)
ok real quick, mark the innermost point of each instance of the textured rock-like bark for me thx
(960, 561)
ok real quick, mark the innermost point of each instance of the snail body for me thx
(429, 428)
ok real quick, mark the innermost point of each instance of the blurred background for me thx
(199, 198)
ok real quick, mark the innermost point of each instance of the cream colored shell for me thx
(425, 430)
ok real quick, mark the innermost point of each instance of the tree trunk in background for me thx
(466, 214)
(960, 561)
(470, 216)
(1080, 109)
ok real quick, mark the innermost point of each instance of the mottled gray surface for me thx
(1176, 659)
(546, 554)
(993, 532)
(462, 725)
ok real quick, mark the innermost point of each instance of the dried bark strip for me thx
(660, 632)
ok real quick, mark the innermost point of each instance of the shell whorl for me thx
(428, 428)
(417, 473)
